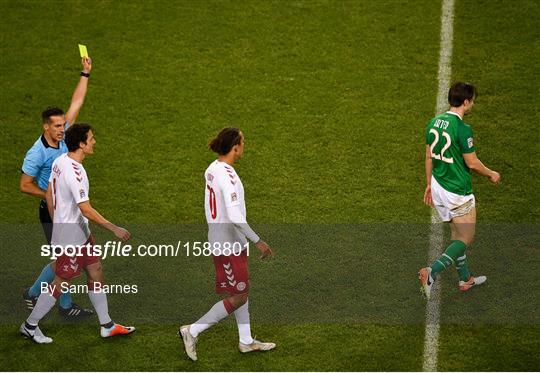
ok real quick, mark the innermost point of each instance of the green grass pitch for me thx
(333, 97)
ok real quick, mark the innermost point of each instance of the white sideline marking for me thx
(431, 339)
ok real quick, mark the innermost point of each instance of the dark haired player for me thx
(450, 155)
(36, 170)
(227, 227)
(69, 206)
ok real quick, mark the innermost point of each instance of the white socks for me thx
(212, 317)
(217, 313)
(46, 301)
(99, 301)
(242, 321)
(44, 304)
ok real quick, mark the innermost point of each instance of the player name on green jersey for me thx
(448, 138)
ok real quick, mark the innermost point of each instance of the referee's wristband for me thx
(86, 75)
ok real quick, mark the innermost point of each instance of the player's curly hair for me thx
(459, 92)
(225, 140)
(76, 134)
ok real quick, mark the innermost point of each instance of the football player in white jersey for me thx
(69, 206)
(228, 232)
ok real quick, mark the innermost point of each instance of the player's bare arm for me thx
(49, 199)
(28, 186)
(429, 168)
(475, 164)
(79, 94)
(91, 214)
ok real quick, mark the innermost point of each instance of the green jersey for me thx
(449, 138)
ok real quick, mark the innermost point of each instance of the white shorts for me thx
(450, 205)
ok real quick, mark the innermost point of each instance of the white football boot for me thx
(190, 342)
(36, 335)
(256, 346)
(473, 281)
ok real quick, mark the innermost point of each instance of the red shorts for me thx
(232, 275)
(68, 267)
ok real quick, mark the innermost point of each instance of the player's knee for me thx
(97, 267)
(95, 274)
(94, 270)
(242, 299)
(238, 300)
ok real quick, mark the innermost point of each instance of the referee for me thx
(36, 169)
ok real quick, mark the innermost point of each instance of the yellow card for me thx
(82, 49)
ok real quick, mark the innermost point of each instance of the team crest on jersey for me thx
(470, 142)
(210, 177)
(82, 193)
(234, 197)
(241, 286)
(56, 170)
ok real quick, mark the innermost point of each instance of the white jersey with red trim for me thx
(223, 189)
(70, 187)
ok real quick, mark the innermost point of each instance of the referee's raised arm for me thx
(79, 94)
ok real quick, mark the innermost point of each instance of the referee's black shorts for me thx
(46, 221)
